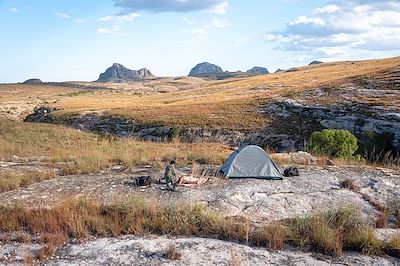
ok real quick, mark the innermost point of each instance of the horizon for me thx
(74, 41)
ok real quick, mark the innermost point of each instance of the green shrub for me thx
(333, 143)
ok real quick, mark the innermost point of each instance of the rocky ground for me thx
(151, 250)
(316, 189)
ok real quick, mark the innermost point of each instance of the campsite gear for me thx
(170, 173)
(250, 162)
(170, 186)
(291, 171)
(141, 181)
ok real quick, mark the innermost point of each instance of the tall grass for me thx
(330, 232)
(82, 152)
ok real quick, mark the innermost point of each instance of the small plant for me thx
(333, 143)
(172, 252)
(381, 221)
(349, 184)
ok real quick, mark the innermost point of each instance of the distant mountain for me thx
(279, 70)
(205, 68)
(32, 81)
(258, 71)
(119, 73)
(315, 63)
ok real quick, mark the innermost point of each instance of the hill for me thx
(205, 68)
(258, 71)
(278, 110)
(32, 81)
(119, 73)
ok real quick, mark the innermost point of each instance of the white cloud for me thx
(114, 30)
(120, 18)
(306, 20)
(329, 9)
(201, 30)
(129, 6)
(79, 20)
(341, 27)
(61, 15)
(220, 9)
(13, 10)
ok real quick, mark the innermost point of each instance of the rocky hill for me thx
(279, 111)
(121, 74)
(32, 81)
(315, 63)
(205, 68)
(258, 71)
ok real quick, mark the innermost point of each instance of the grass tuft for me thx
(172, 252)
(349, 184)
(330, 232)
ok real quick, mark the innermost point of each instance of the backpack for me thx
(142, 181)
(291, 171)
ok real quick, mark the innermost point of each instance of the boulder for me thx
(299, 158)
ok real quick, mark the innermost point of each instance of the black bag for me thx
(291, 171)
(142, 181)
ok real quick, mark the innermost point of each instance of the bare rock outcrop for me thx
(33, 81)
(205, 68)
(258, 71)
(119, 73)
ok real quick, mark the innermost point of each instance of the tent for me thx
(250, 162)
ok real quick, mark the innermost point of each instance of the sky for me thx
(66, 40)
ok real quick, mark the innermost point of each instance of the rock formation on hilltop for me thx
(205, 68)
(119, 73)
(32, 81)
(279, 70)
(258, 71)
(315, 63)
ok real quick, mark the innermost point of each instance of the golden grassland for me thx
(85, 152)
(22, 92)
(229, 103)
(330, 232)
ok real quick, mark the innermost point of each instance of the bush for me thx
(333, 143)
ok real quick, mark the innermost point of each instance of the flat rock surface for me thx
(317, 188)
(131, 250)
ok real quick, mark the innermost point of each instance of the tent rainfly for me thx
(250, 162)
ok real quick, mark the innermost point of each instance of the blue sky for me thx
(60, 40)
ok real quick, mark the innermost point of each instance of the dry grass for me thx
(349, 184)
(330, 232)
(80, 152)
(10, 180)
(382, 220)
(172, 252)
(222, 104)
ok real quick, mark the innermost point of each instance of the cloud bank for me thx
(340, 26)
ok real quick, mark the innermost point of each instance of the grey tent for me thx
(250, 162)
